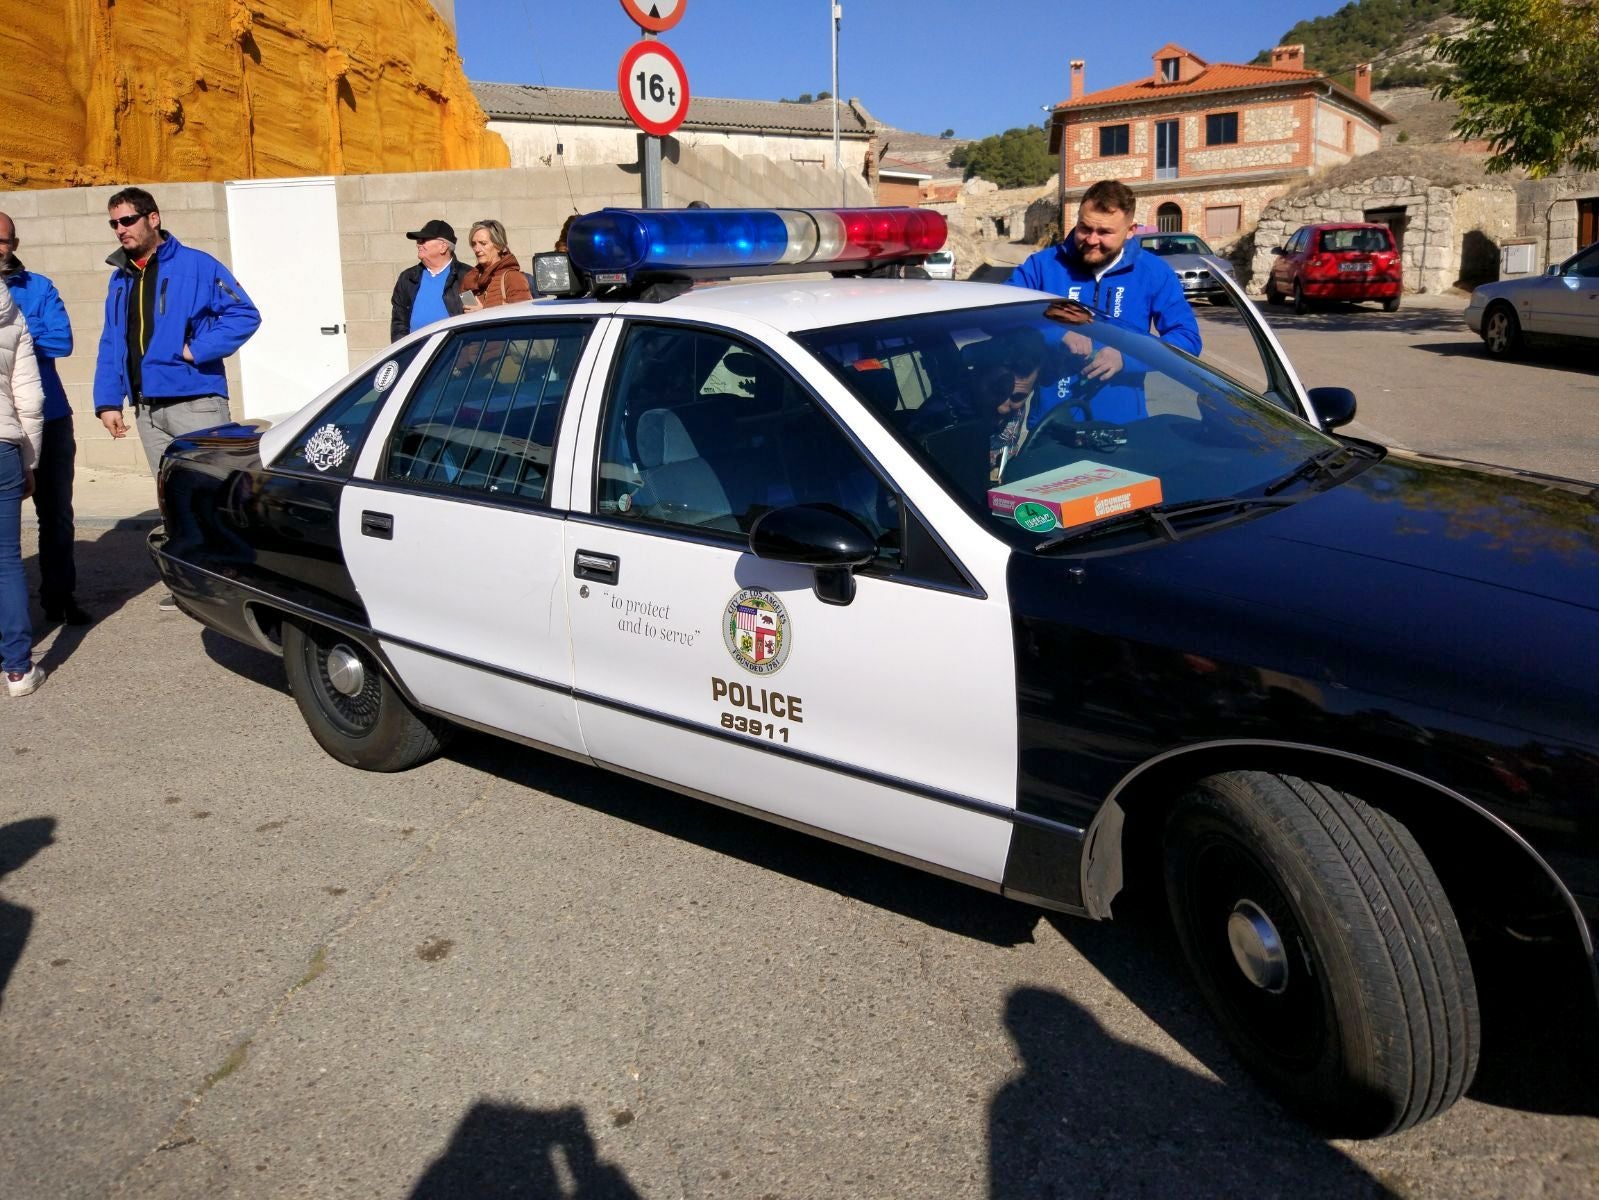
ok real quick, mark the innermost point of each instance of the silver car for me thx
(1560, 305)
(1194, 261)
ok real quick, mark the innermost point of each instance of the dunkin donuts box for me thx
(1075, 494)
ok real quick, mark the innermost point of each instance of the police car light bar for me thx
(624, 245)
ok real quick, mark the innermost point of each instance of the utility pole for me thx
(836, 16)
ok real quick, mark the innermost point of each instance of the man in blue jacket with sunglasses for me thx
(1099, 266)
(172, 315)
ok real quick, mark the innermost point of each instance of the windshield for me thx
(998, 404)
(1175, 243)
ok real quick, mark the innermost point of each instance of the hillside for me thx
(1395, 36)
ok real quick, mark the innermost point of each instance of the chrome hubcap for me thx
(1257, 947)
(345, 671)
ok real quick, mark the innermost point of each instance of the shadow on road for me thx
(1559, 358)
(941, 903)
(1347, 318)
(19, 841)
(1092, 1115)
(245, 661)
(504, 1150)
(112, 569)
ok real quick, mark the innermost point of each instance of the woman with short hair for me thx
(497, 279)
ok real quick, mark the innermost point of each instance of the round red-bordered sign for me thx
(653, 87)
(655, 15)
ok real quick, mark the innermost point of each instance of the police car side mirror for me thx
(830, 542)
(1334, 406)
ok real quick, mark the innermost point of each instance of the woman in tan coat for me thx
(497, 278)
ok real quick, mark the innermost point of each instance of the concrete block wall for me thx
(64, 235)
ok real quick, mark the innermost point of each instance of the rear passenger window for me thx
(330, 443)
(483, 419)
(705, 433)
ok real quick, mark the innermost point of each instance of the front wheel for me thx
(1301, 305)
(1501, 331)
(352, 709)
(1323, 943)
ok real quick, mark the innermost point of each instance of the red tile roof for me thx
(1215, 78)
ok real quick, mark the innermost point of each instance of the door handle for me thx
(377, 525)
(601, 568)
(331, 329)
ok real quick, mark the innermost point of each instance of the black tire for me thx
(1361, 1012)
(1301, 305)
(374, 728)
(1501, 331)
(1391, 304)
(1273, 296)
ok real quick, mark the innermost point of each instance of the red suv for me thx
(1337, 262)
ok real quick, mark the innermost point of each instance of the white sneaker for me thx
(24, 684)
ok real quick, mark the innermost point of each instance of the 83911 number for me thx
(754, 727)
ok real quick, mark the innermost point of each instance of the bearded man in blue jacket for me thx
(1102, 269)
(172, 315)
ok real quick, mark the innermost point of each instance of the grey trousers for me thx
(159, 423)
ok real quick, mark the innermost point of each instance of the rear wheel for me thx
(1301, 305)
(1323, 943)
(1501, 331)
(352, 709)
(1391, 304)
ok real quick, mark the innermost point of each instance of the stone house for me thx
(579, 127)
(1206, 146)
(900, 182)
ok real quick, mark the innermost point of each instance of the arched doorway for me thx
(1169, 218)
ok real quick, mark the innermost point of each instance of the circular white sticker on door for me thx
(387, 374)
(756, 631)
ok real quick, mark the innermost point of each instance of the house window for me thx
(1222, 220)
(1112, 140)
(1169, 218)
(1168, 70)
(1221, 129)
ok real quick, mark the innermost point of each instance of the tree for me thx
(1015, 158)
(947, 134)
(1526, 82)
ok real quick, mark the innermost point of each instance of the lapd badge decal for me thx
(756, 631)
(327, 448)
(387, 374)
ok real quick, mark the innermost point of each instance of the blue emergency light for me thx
(623, 245)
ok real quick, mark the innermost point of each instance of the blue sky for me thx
(925, 65)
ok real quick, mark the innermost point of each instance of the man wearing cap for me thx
(431, 290)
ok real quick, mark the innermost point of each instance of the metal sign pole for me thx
(652, 172)
(836, 14)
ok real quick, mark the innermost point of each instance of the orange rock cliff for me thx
(115, 91)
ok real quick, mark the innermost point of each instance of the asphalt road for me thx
(230, 966)
(1423, 381)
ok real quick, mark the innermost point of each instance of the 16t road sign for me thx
(653, 87)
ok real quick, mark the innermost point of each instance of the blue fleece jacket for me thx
(50, 329)
(1136, 291)
(198, 303)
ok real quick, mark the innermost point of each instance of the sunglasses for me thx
(125, 222)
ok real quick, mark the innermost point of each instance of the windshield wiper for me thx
(1320, 463)
(1161, 517)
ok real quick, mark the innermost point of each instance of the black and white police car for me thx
(880, 559)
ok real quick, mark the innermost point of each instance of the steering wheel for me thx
(1082, 397)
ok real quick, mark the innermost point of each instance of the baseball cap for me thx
(433, 229)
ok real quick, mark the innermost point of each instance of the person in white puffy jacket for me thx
(21, 428)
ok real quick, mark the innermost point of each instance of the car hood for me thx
(1193, 262)
(1454, 584)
